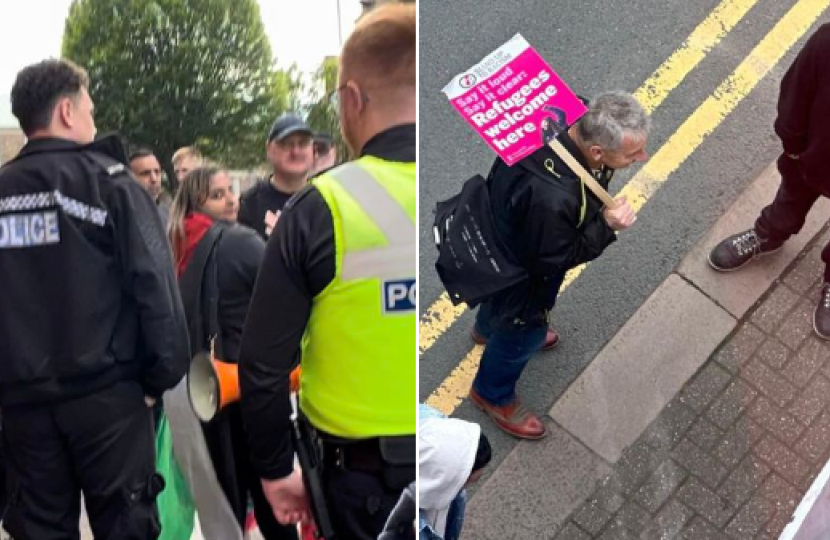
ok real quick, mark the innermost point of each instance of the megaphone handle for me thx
(292, 397)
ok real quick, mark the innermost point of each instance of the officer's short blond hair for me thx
(381, 50)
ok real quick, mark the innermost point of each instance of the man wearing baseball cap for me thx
(291, 155)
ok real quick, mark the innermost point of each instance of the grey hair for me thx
(610, 115)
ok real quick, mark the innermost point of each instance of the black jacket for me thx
(89, 295)
(238, 256)
(538, 214)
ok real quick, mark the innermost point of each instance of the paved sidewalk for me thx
(733, 453)
(707, 416)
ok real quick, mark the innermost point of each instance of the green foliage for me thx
(322, 113)
(171, 73)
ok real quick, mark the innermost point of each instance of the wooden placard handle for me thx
(586, 177)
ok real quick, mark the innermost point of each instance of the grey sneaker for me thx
(739, 250)
(821, 316)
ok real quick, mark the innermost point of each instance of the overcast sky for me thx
(302, 32)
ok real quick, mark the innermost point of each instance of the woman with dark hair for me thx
(213, 253)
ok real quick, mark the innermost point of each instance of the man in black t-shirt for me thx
(291, 154)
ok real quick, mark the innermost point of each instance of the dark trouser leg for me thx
(44, 498)
(111, 441)
(825, 256)
(483, 317)
(504, 359)
(508, 350)
(3, 476)
(359, 503)
(787, 213)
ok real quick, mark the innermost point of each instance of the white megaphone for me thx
(211, 385)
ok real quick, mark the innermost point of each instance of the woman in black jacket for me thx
(206, 203)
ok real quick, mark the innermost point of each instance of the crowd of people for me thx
(111, 287)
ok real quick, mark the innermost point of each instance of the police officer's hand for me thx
(288, 499)
(621, 217)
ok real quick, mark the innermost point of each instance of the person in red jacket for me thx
(803, 111)
(205, 205)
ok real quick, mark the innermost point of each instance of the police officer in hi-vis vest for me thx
(336, 292)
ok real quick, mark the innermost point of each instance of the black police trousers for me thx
(359, 503)
(102, 445)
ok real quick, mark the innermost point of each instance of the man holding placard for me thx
(551, 223)
(549, 211)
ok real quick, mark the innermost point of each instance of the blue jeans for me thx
(507, 352)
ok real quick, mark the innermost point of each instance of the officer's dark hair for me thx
(484, 453)
(39, 87)
(141, 152)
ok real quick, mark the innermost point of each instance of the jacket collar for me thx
(538, 163)
(109, 144)
(394, 144)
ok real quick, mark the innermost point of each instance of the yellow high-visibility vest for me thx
(359, 360)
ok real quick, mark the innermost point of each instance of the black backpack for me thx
(473, 262)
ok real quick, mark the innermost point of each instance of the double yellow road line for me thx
(703, 121)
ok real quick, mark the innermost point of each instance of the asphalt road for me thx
(594, 46)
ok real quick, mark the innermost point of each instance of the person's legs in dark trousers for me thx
(359, 503)
(3, 476)
(483, 317)
(505, 356)
(111, 441)
(786, 214)
(509, 348)
(43, 494)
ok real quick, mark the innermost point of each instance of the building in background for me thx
(11, 136)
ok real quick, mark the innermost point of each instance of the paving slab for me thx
(535, 488)
(649, 360)
(738, 291)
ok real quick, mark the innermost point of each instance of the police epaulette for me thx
(107, 163)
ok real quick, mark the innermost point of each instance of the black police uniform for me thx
(90, 323)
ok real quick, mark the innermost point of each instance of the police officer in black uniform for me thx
(92, 330)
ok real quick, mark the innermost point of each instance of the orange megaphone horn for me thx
(214, 384)
(211, 385)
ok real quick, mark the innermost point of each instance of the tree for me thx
(322, 113)
(171, 73)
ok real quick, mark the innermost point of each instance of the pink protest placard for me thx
(514, 100)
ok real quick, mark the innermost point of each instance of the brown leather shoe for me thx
(513, 418)
(551, 339)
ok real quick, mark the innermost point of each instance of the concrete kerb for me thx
(693, 311)
(632, 379)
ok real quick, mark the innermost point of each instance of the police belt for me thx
(392, 458)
